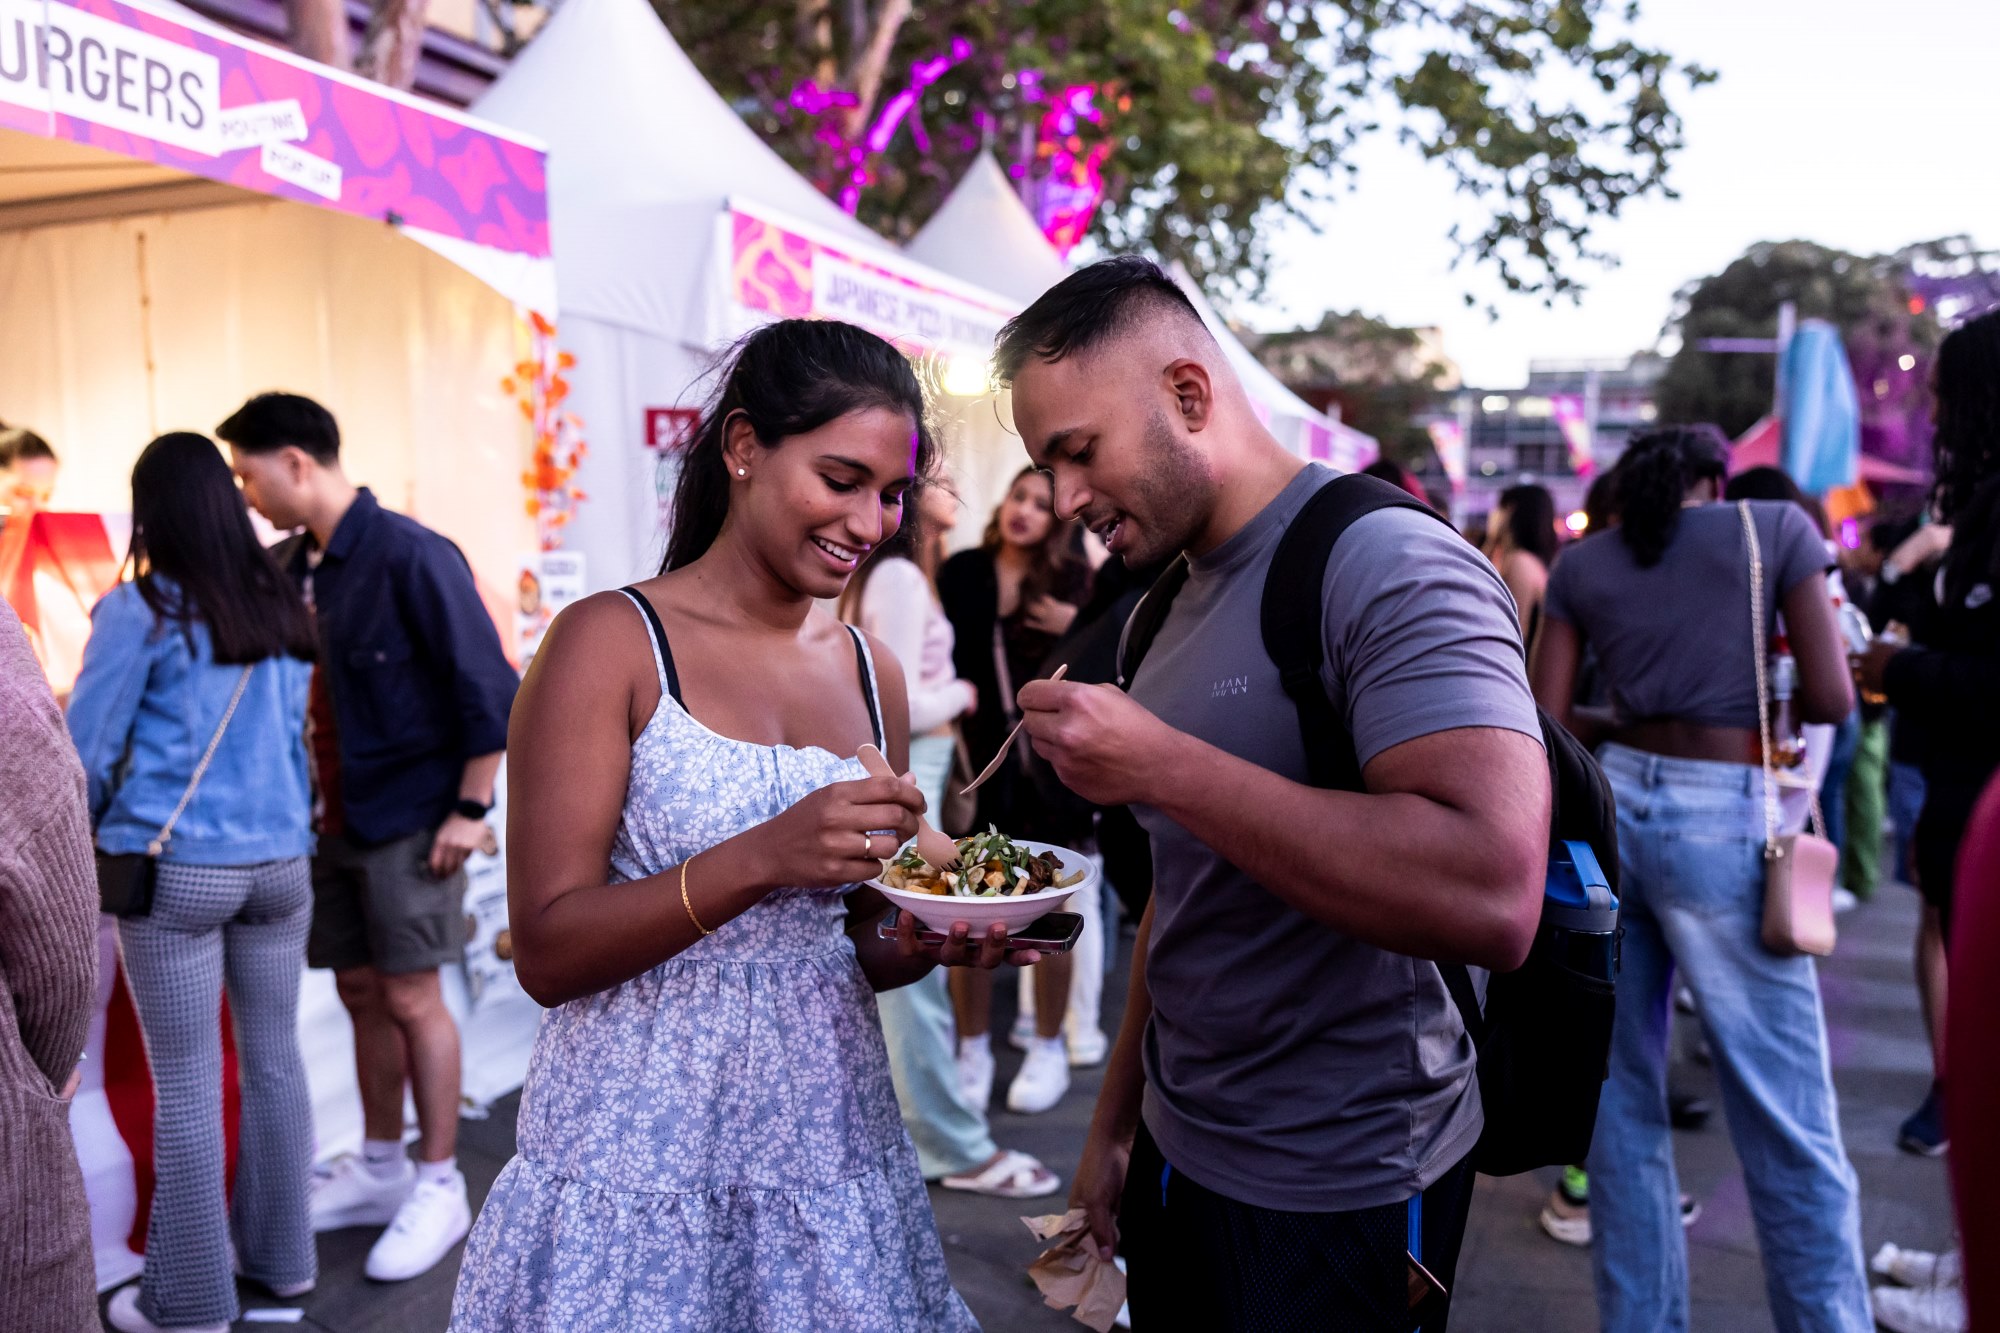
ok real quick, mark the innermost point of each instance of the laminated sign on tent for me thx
(677, 230)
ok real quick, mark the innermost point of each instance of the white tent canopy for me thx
(985, 234)
(666, 211)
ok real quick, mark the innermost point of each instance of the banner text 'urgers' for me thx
(57, 58)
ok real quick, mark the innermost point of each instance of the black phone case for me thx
(1052, 932)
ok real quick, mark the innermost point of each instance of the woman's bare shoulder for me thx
(603, 633)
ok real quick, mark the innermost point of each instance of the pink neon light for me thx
(1069, 175)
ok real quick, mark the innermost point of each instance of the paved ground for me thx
(1512, 1277)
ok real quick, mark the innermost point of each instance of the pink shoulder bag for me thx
(1799, 868)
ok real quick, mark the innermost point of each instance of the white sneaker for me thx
(1917, 1268)
(1043, 1079)
(434, 1218)
(975, 1074)
(350, 1194)
(1920, 1309)
(1087, 1050)
(124, 1315)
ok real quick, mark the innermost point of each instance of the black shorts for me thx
(381, 907)
(1201, 1261)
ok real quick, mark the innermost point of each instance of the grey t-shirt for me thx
(1674, 640)
(1287, 1065)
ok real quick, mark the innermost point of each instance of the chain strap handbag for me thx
(1799, 868)
(125, 880)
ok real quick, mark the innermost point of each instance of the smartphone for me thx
(1053, 932)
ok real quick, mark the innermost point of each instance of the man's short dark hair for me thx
(271, 421)
(1089, 307)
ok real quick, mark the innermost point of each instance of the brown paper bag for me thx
(1069, 1273)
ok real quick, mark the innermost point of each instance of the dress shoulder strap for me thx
(663, 656)
(869, 690)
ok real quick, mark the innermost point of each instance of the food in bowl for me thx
(989, 865)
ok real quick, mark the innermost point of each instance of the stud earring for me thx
(743, 472)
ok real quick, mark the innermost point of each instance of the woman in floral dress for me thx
(709, 1138)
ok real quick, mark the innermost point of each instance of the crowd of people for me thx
(747, 1070)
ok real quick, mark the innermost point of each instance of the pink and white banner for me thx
(782, 272)
(136, 82)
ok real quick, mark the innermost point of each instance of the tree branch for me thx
(864, 77)
(393, 43)
(317, 30)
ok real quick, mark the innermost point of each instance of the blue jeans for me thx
(1690, 845)
(1833, 787)
(951, 1137)
(1906, 802)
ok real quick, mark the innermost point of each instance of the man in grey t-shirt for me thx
(1292, 1102)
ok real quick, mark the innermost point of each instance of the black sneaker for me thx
(1923, 1133)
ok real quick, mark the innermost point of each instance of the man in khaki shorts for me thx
(409, 724)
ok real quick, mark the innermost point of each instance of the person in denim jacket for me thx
(208, 646)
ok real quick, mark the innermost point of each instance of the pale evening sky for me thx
(1849, 122)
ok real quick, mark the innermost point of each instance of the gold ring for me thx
(868, 844)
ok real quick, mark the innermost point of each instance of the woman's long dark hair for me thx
(1056, 559)
(196, 557)
(787, 379)
(1658, 469)
(1531, 521)
(1968, 412)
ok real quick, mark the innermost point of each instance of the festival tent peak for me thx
(983, 233)
(1299, 426)
(677, 230)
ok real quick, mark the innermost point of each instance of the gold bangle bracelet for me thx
(684, 898)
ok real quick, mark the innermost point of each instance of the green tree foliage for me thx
(1867, 298)
(1223, 114)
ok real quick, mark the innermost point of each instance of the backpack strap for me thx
(1147, 617)
(1291, 616)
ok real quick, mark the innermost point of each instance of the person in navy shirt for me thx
(409, 723)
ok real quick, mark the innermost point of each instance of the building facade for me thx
(1569, 422)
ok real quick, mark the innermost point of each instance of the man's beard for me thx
(1171, 497)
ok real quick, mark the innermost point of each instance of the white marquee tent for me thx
(985, 234)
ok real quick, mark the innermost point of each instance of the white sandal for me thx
(1013, 1175)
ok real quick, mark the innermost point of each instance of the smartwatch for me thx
(468, 808)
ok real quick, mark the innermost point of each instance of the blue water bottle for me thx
(1580, 914)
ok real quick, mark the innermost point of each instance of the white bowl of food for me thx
(995, 881)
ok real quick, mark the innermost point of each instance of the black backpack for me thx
(1544, 1037)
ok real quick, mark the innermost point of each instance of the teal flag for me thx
(1817, 404)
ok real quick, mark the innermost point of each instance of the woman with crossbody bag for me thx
(1009, 600)
(1681, 603)
(189, 716)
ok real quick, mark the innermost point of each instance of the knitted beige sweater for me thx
(48, 981)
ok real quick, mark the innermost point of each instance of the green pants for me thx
(1867, 800)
